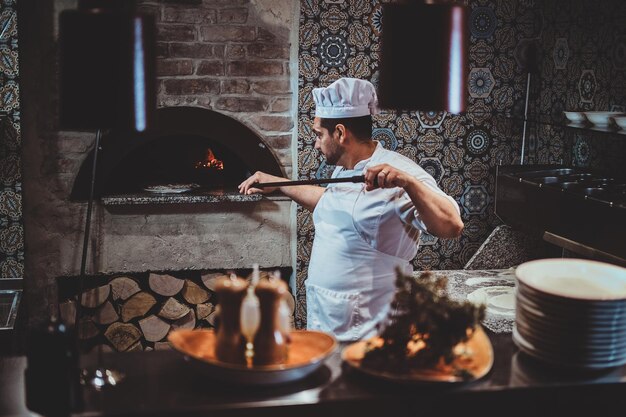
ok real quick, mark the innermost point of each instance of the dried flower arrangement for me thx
(423, 326)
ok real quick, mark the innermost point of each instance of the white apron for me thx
(350, 283)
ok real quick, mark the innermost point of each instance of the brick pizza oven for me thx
(227, 81)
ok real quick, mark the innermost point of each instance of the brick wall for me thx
(232, 57)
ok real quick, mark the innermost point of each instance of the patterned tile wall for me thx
(341, 38)
(11, 226)
(582, 67)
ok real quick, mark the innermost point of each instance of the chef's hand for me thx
(385, 176)
(247, 187)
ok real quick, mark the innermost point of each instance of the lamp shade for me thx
(424, 57)
(107, 67)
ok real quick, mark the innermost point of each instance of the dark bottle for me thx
(52, 376)
(230, 344)
(270, 341)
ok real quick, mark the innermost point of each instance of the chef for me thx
(363, 231)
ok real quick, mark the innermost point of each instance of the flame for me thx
(210, 162)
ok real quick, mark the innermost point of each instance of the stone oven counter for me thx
(216, 196)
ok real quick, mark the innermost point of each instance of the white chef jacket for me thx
(360, 238)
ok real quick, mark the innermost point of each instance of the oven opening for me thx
(190, 150)
(178, 162)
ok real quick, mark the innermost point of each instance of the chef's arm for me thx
(439, 214)
(305, 195)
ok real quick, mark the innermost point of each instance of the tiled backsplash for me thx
(11, 224)
(582, 67)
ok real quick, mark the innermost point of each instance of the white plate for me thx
(585, 322)
(170, 188)
(574, 278)
(581, 338)
(583, 363)
(497, 299)
(589, 329)
(570, 345)
(569, 307)
(570, 352)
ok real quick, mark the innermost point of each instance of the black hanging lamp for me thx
(107, 63)
(423, 62)
(107, 81)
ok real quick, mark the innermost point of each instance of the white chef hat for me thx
(346, 97)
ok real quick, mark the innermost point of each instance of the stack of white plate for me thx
(571, 312)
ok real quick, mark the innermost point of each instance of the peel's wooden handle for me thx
(357, 178)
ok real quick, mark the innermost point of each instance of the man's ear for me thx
(341, 133)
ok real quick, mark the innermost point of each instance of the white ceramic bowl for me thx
(602, 118)
(620, 121)
(577, 117)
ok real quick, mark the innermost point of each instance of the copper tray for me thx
(307, 352)
(474, 356)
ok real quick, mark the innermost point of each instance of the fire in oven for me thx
(190, 150)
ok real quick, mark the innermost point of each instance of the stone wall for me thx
(234, 57)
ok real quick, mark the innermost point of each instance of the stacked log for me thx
(164, 284)
(106, 314)
(153, 328)
(137, 305)
(204, 310)
(122, 336)
(193, 294)
(137, 311)
(67, 312)
(124, 287)
(188, 321)
(87, 328)
(173, 309)
(94, 297)
(210, 279)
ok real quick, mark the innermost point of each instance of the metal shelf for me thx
(573, 126)
(591, 128)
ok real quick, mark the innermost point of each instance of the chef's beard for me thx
(333, 154)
